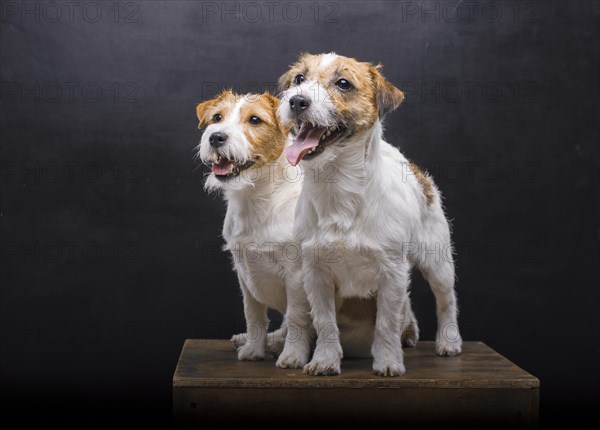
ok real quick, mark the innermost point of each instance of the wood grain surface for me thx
(479, 387)
(214, 363)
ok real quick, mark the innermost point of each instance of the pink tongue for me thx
(308, 138)
(223, 167)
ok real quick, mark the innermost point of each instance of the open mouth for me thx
(225, 168)
(311, 141)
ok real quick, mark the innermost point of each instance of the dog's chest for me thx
(260, 266)
(356, 271)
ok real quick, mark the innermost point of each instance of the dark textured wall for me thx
(110, 248)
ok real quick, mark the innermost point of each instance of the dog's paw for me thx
(292, 358)
(238, 340)
(251, 352)
(325, 362)
(274, 344)
(410, 336)
(323, 368)
(388, 367)
(446, 348)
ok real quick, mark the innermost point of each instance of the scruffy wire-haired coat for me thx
(381, 214)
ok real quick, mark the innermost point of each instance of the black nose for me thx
(299, 103)
(217, 139)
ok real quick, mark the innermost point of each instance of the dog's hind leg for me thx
(275, 340)
(437, 266)
(410, 327)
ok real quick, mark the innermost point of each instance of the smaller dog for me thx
(243, 143)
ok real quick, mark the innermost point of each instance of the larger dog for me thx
(379, 212)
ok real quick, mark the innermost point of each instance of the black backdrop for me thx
(110, 248)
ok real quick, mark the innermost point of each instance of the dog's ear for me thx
(285, 80)
(294, 69)
(388, 96)
(273, 101)
(202, 112)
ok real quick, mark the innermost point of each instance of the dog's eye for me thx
(298, 79)
(217, 117)
(254, 120)
(343, 84)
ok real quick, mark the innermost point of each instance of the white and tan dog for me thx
(243, 142)
(378, 211)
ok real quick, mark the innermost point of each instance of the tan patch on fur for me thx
(388, 97)
(222, 104)
(358, 309)
(424, 181)
(371, 98)
(267, 138)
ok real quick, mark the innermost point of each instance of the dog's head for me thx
(328, 99)
(242, 133)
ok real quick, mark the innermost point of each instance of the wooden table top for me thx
(214, 363)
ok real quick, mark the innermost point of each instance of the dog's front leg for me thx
(299, 329)
(257, 324)
(387, 346)
(320, 291)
